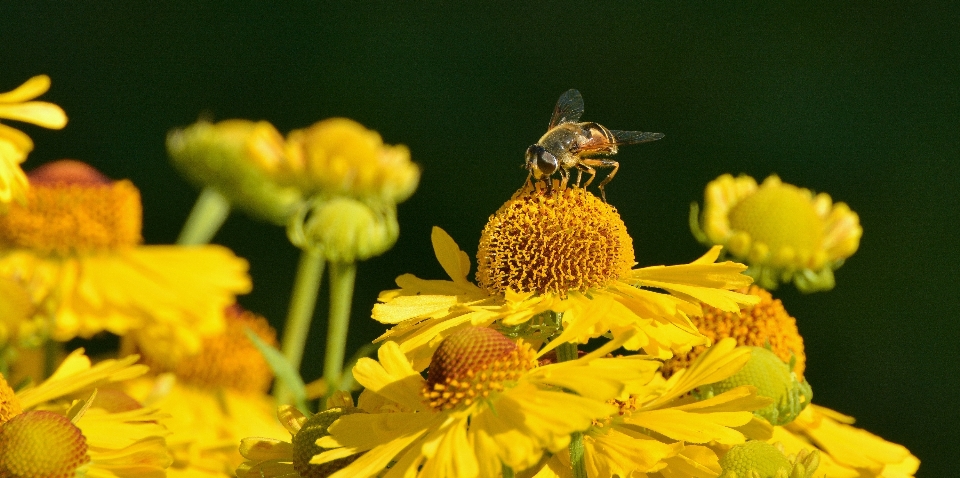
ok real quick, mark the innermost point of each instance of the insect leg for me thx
(602, 163)
(581, 166)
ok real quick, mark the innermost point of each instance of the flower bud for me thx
(345, 229)
(240, 159)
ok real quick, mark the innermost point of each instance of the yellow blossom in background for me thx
(14, 144)
(241, 160)
(783, 232)
(566, 252)
(75, 247)
(215, 397)
(120, 437)
(486, 403)
(339, 157)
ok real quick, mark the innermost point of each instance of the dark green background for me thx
(853, 98)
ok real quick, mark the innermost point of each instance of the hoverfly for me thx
(568, 144)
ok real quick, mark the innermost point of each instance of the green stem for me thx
(343, 275)
(567, 352)
(507, 471)
(205, 219)
(302, 302)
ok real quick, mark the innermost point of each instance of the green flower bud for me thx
(774, 379)
(305, 444)
(344, 229)
(758, 459)
(241, 160)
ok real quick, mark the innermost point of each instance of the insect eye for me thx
(546, 161)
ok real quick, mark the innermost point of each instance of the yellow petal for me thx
(40, 113)
(392, 377)
(261, 449)
(454, 261)
(29, 90)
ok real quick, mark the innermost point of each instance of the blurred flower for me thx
(103, 434)
(74, 246)
(14, 144)
(485, 404)
(215, 397)
(242, 160)
(783, 232)
(345, 229)
(568, 252)
(661, 428)
(339, 157)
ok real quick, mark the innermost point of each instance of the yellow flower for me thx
(240, 159)
(111, 434)
(338, 156)
(661, 427)
(486, 403)
(845, 451)
(75, 248)
(14, 144)
(783, 232)
(215, 398)
(566, 252)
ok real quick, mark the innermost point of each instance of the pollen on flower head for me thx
(305, 444)
(766, 324)
(41, 444)
(72, 207)
(228, 360)
(9, 403)
(565, 240)
(472, 363)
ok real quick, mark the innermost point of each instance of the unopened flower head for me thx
(338, 156)
(242, 160)
(14, 144)
(543, 254)
(759, 459)
(345, 229)
(783, 232)
(773, 379)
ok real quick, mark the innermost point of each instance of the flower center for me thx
(72, 207)
(9, 403)
(567, 240)
(766, 324)
(39, 443)
(228, 360)
(473, 362)
(783, 218)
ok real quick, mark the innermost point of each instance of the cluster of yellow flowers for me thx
(692, 371)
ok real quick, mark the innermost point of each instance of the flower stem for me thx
(205, 219)
(343, 275)
(565, 352)
(507, 471)
(302, 302)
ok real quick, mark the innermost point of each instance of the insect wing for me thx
(568, 110)
(634, 137)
